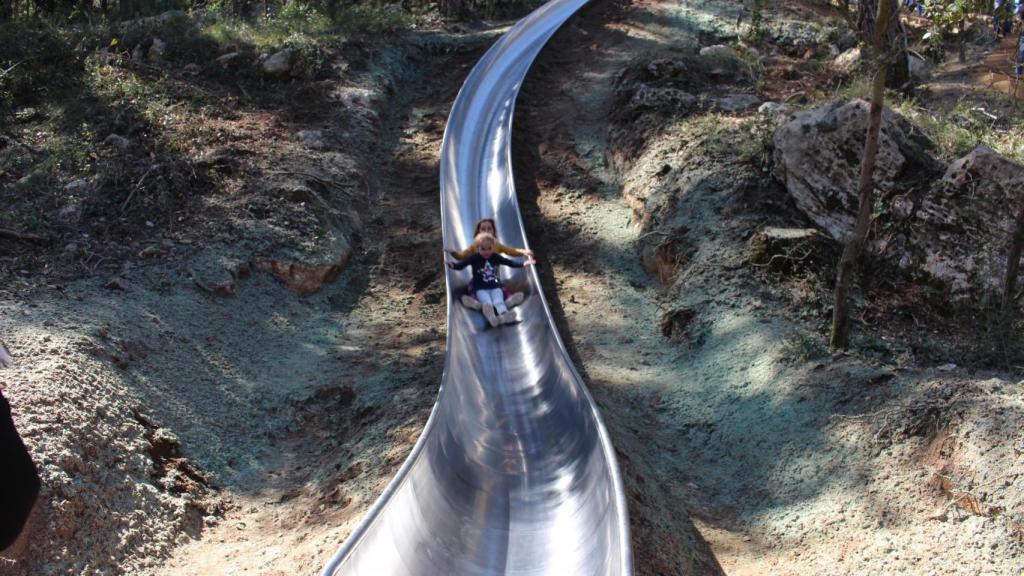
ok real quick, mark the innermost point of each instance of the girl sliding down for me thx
(485, 262)
(487, 226)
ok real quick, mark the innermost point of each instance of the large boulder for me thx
(958, 233)
(818, 155)
(949, 229)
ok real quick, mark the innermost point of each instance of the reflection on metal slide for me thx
(514, 472)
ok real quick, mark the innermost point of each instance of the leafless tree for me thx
(886, 15)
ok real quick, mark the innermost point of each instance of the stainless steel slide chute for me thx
(514, 472)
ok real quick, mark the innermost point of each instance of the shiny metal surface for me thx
(514, 472)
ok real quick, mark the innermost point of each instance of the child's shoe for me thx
(492, 318)
(515, 299)
(508, 317)
(470, 302)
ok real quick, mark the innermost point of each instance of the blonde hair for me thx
(482, 237)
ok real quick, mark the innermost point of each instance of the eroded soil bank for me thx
(710, 371)
(200, 412)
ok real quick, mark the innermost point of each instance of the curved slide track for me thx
(514, 472)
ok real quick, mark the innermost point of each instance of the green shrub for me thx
(959, 127)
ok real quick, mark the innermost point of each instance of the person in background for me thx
(1020, 54)
(19, 481)
(1002, 17)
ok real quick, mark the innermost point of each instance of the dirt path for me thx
(996, 69)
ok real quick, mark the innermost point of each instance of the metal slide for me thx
(514, 472)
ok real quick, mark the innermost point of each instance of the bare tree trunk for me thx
(962, 36)
(451, 8)
(865, 184)
(1012, 267)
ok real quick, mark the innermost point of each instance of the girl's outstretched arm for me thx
(515, 263)
(459, 265)
(460, 254)
(511, 251)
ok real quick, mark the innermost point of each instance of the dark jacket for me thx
(485, 271)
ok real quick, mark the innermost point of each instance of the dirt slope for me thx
(710, 372)
(197, 415)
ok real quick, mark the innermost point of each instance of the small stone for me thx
(312, 139)
(226, 60)
(737, 102)
(117, 142)
(151, 252)
(718, 51)
(279, 64)
(77, 186)
(848, 62)
(156, 50)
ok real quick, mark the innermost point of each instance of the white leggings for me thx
(495, 297)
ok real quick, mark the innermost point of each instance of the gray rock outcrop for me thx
(958, 232)
(949, 230)
(818, 155)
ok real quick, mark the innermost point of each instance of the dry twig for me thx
(7, 71)
(22, 236)
(652, 233)
(136, 188)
